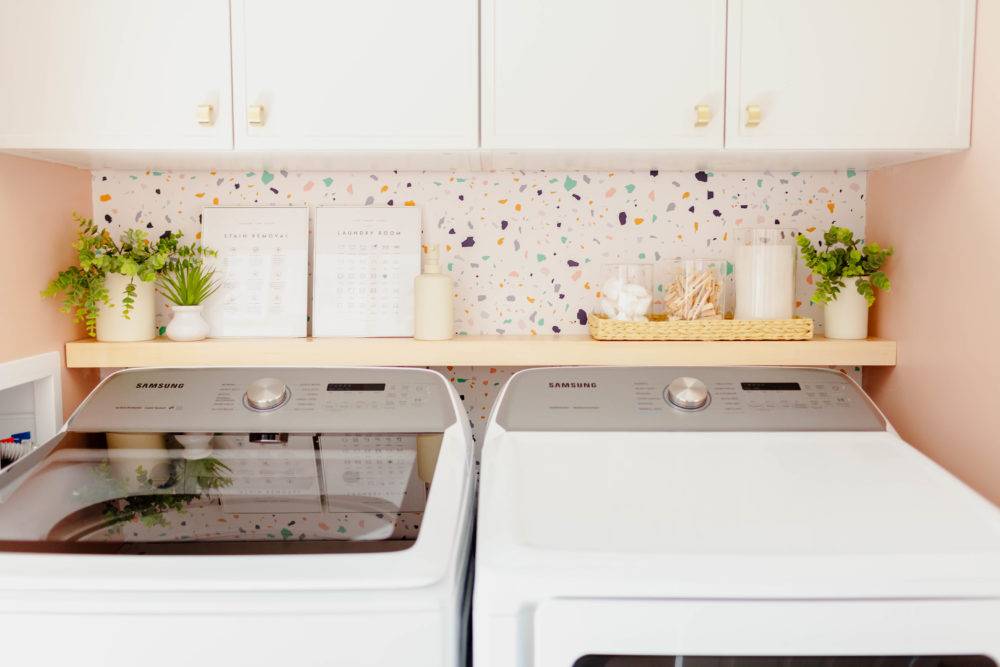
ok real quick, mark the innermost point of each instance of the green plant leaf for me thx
(865, 290)
(98, 255)
(188, 285)
(843, 258)
(880, 281)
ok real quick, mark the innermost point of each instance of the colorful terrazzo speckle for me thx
(525, 249)
(209, 522)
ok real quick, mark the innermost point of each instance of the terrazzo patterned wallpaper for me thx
(525, 249)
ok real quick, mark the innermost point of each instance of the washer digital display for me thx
(368, 386)
(770, 386)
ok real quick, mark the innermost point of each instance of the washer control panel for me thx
(285, 400)
(686, 399)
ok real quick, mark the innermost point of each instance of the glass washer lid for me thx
(205, 493)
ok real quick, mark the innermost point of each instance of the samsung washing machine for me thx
(243, 516)
(721, 517)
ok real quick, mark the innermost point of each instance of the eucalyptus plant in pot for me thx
(187, 286)
(849, 272)
(110, 289)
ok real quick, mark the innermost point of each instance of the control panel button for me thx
(687, 393)
(266, 394)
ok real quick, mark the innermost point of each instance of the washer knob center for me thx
(687, 393)
(266, 394)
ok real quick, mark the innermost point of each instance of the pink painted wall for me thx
(943, 217)
(37, 200)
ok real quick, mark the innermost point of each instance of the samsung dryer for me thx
(243, 516)
(720, 517)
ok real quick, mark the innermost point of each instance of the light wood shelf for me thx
(479, 351)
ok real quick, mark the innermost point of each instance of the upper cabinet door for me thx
(355, 74)
(849, 74)
(603, 74)
(115, 74)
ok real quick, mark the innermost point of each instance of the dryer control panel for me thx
(686, 399)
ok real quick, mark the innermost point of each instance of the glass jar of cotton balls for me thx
(626, 292)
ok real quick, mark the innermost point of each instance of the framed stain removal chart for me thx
(262, 262)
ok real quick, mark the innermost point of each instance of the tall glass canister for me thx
(765, 273)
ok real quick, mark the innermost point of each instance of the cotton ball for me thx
(642, 307)
(630, 301)
(612, 288)
(635, 290)
(634, 302)
(624, 301)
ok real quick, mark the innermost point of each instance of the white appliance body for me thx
(783, 518)
(363, 602)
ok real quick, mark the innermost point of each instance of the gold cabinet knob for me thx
(255, 115)
(702, 115)
(753, 115)
(205, 115)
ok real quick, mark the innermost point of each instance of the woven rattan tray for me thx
(658, 328)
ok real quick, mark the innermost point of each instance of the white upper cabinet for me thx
(603, 74)
(115, 74)
(355, 74)
(551, 84)
(849, 74)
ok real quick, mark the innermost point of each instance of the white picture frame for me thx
(263, 266)
(365, 260)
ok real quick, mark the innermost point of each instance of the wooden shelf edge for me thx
(479, 351)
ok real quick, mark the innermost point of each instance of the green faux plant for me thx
(842, 259)
(132, 255)
(188, 285)
(195, 478)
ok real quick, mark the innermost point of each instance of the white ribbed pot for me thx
(846, 317)
(194, 445)
(112, 326)
(187, 324)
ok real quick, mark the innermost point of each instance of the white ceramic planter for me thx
(846, 318)
(187, 324)
(194, 445)
(141, 324)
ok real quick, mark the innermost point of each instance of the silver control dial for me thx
(687, 393)
(266, 394)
